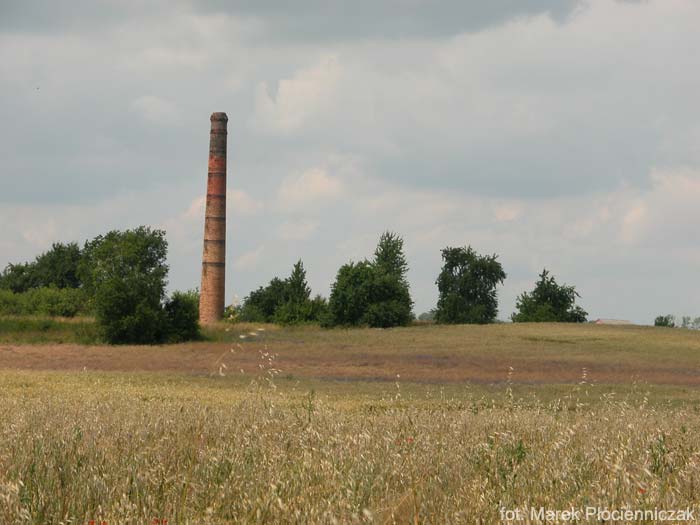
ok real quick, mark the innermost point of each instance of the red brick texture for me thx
(212, 292)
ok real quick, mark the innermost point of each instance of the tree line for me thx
(121, 277)
(375, 292)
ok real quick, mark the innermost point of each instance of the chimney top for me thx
(219, 116)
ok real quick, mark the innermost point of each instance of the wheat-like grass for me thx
(80, 447)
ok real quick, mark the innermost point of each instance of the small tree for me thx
(182, 316)
(351, 293)
(373, 293)
(549, 302)
(467, 287)
(125, 273)
(284, 301)
(668, 321)
(56, 268)
(389, 256)
(59, 266)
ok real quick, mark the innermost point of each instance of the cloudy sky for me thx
(555, 133)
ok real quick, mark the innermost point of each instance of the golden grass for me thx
(131, 448)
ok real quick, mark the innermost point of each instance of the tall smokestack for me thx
(211, 300)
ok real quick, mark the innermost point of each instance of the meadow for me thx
(425, 424)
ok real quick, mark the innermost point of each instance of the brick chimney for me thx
(212, 292)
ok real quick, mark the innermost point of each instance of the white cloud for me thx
(312, 188)
(298, 99)
(240, 202)
(297, 230)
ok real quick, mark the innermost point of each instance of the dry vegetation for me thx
(538, 353)
(264, 445)
(133, 448)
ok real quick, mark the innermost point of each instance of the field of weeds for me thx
(142, 448)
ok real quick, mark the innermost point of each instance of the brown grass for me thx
(537, 353)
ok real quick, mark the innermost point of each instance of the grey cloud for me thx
(335, 20)
(309, 20)
(525, 119)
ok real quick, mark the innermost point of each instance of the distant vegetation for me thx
(119, 278)
(467, 287)
(549, 302)
(284, 301)
(665, 320)
(373, 293)
(56, 268)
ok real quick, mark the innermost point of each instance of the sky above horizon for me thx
(555, 133)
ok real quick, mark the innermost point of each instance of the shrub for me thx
(67, 302)
(56, 268)
(182, 316)
(665, 320)
(283, 301)
(125, 272)
(549, 302)
(467, 287)
(373, 293)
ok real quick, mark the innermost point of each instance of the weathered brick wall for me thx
(211, 302)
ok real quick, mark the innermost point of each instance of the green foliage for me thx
(389, 256)
(467, 287)
(351, 293)
(182, 316)
(125, 274)
(34, 330)
(18, 278)
(665, 320)
(283, 301)
(373, 293)
(66, 302)
(261, 304)
(549, 302)
(57, 268)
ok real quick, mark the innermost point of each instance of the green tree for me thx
(549, 302)
(261, 304)
(182, 316)
(285, 301)
(668, 321)
(389, 256)
(373, 293)
(18, 278)
(351, 294)
(56, 268)
(467, 287)
(59, 266)
(125, 274)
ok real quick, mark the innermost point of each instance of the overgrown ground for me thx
(141, 434)
(536, 353)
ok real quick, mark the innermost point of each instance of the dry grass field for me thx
(536, 353)
(419, 425)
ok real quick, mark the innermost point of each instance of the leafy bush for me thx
(57, 268)
(467, 287)
(373, 293)
(261, 304)
(283, 301)
(549, 302)
(665, 320)
(125, 274)
(182, 316)
(66, 302)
